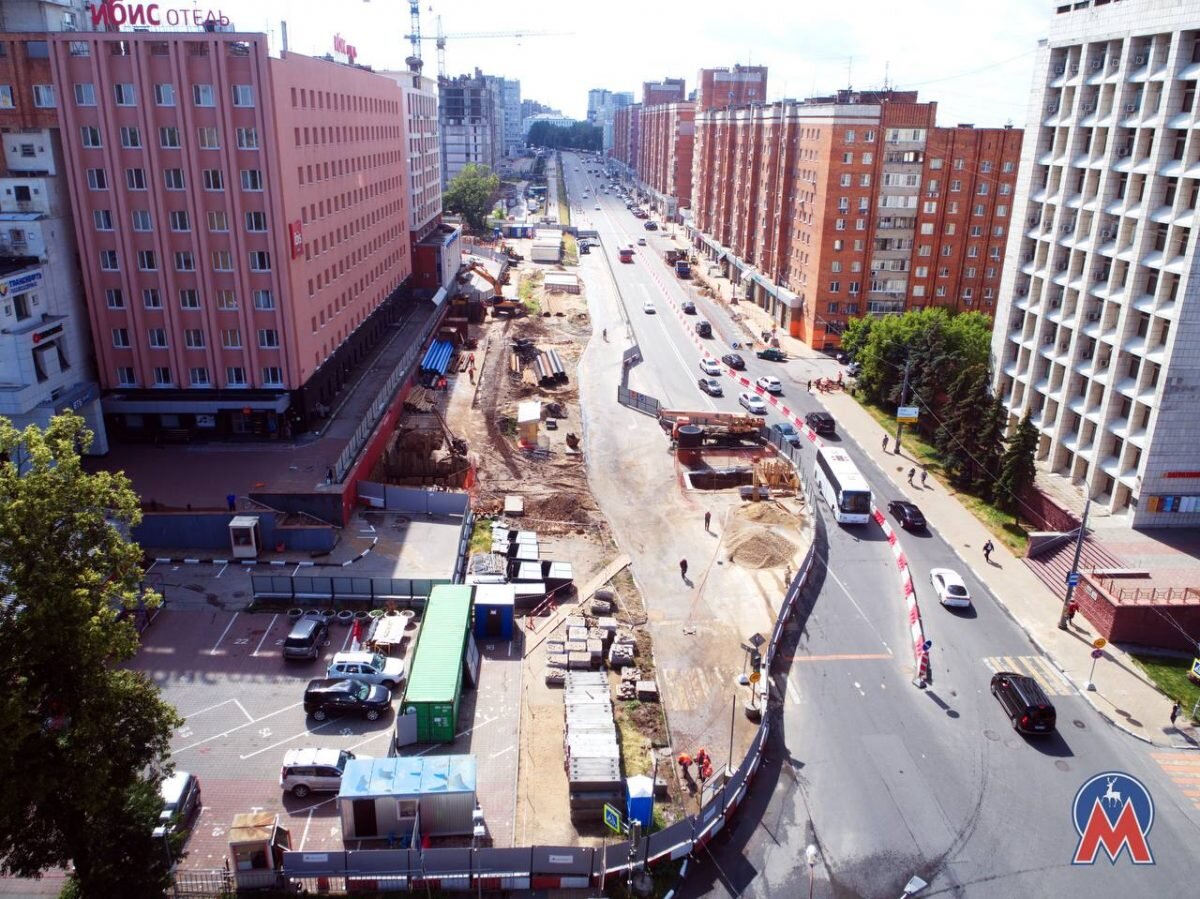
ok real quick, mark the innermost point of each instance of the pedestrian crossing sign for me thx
(612, 818)
(1194, 674)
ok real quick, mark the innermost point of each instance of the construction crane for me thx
(416, 37)
(414, 62)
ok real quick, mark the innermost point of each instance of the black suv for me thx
(703, 328)
(821, 422)
(907, 514)
(688, 307)
(307, 636)
(1025, 703)
(324, 697)
(734, 361)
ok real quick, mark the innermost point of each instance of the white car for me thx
(950, 589)
(641, 241)
(648, 307)
(769, 384)
(753, 403)
(597, 207)
(710, 366)
(369, 667)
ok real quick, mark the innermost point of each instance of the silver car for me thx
(307, 771)
(369, 667)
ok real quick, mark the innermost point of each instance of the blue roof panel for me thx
(408, 776)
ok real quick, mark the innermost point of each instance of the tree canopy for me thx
(579, 136)
(86, 742)
(472, 194)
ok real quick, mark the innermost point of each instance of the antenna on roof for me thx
(887, 77)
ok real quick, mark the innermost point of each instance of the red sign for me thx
(1182, 474)
(296, 236)
(347, 50)
(118, 14)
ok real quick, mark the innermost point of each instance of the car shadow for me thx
(962, 611)
(1052, 745)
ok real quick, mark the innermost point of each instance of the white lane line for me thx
(266, 634)
(191, 715)
(221, 572)
(238, 727)
(249, 717)
(496, 755)
(213, 651)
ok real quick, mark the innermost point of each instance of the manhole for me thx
(1062, 765)
(991, 735)
(1079, 724)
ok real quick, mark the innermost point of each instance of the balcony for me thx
(1111, 465)
(1127, 386)
(1078, 404)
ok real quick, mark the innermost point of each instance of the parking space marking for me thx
(213, 651)
(226, 733)
(222, 571)
(266, 634)
(190, 715)
(249, 717)
(345, 732)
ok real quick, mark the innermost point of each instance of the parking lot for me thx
(243, 709)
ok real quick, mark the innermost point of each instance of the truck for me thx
(683, 268)
(625, 254)
(713, 423)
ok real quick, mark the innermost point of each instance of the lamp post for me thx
(1073, 576)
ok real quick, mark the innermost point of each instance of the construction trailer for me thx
(407, 797)
(435, 678)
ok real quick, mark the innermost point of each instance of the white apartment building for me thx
(1097, 330)
(514, 137)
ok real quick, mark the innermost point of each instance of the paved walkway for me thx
(1123, 695)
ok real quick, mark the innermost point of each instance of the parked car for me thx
(1025, 702)
(372, 667)
(310, 770)
(734, 361)
(821, 422)
(648, 307)
(688, 307)
(752, 402)
(950, 589)
(703, 328)
(324, 697)
(711, 386)
(641, 241)
(907, 514)
(710, 366)
(597, 207)
(181, 798)
(787, 431)
(650, 226)
(769, 384)
(772, 354)
(853, 369)
(306, 638)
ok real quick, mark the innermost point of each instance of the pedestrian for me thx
(1175, 710)
(231, 501)
(885, 443)
(912, 473)
(707, 520)
(683, 568)
(810, 385)
(839, 378)
(685, 762)
(1072, 608)
(987, 551)
(924, 475)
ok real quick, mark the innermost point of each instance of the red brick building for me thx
(664, 155)
(723, 88)
(669, 90)
(626, 133)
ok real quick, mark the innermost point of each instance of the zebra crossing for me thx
(1183, 769)
(1037, 667)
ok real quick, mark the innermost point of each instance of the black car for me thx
(1025, 703)
(650, 226)
(907, 514)
(821, 422)
(324, 697)
(688, 307)
(703, 328)
(787, 431)
(734, 361)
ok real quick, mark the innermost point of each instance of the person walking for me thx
(912, 473)
(683, 568)
(987, 551)
(1175, 710)
(924, 475)
(885, 443)
(1072, 608)
(707, 520)
(810, 385)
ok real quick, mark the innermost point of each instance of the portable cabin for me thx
(435, 676)
(405, 797)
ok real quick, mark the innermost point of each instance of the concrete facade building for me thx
(664, 155)
(469, 118)
(242, 222)
(1098, 330)
(514, 136)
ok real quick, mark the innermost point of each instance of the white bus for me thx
(838, 482)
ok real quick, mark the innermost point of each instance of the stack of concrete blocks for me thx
(591, 749)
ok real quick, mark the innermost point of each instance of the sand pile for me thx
(759, 547)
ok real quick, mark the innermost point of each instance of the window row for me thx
(185, 261)
(194, 338)
(164, 94)
(181, 220)
(175, 179)
(235, 376)
(189, 299)
(209, 138)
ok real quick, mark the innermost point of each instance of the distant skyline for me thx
(978, 70)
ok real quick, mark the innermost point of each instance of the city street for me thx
(889, 781)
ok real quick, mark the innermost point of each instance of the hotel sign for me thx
(118, 14)
(347, 50)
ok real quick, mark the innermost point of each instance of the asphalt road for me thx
(889, 781)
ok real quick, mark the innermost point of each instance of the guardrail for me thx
(314, 589)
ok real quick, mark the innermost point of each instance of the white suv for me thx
(306, 771)
(369, 667)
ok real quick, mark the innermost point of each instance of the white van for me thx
(181, 797)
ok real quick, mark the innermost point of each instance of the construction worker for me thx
(685, 762)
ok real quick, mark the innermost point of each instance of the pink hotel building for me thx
(242, 222)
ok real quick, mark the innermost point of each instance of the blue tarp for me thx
(408, 776)
(437, 358)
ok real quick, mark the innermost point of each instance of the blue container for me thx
(494, 611)
(639, 800)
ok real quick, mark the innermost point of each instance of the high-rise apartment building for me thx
(470, 118)
(514, 137)
(1098, 330)
(723, 88)
(664, 154)
(626, 133)
(242, 222)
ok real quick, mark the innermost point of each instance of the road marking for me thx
(249, 717)
(1033, 666)
(219, 573)
(266, 633)
(191, 715)
(213, 651)
(496, 755)
(840, 657)
(238, 727)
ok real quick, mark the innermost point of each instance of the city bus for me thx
(839, 483)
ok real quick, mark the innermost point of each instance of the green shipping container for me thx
(435, 674)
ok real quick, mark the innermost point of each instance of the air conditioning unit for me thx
(1058, 70)
(1106, 234)
(1055, 304)
(1062, 266)
(1131, 107)
(1052, 108)
(1104, 363)
(1062, 347)
(1089, 107)
(1140, 59)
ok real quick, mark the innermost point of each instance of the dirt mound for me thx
(766, 513)
(759, 547)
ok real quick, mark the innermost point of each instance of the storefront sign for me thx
(347, 50)
(118, 14)
(15, 285)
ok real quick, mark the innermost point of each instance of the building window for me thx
(151, 298)
(103, 219)
(43, 96)
(983, 189)
(85, 94)
(124, 94)
(835, 286)
(135, 179)
(185, 261)
(142, 221)
(6, 97)
(158, 338)
(231, 338)
(222, 261)
(227, 301)
(162, 376)
(164, 94)
(1001, 211)
(252, 179)
(97, 179)
(131, 138)
(114, 298)
(202, 95)
(235, 376)
(931, 207)
(243, 95)
(855, 286)
(832, 308)
(247, 138)
(847, 178)
(214, 179)
(272, 376)
(264, 300)
(189, 299)
(210, 138)
(147, 261)
(868, 158)
(260, 261)
(256, 221)
(108, 261)
(268, 339)
(91, 137)
(193, 338)
(120, 338)
(173, 178)
(125, 376)
(180, 221)
(840, 225)
(168, 138)
(218, 221)
(198, 377)
(947, 249)
(973, 251)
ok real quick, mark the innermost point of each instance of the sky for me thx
(978, 67)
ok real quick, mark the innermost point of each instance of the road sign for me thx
(927, 645)
(908, 413)
(612, 818)
(1097, 653)
(1073, 579)
(1099, 643)
(755, 677)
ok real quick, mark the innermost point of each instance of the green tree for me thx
(578, 136)
(955, 438)
(989, 446)
(472, 194)
(85, 742)
(1017, 467)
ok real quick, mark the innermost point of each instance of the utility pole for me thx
(903, 400)
(1062, 615)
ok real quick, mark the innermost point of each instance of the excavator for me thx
(498, 304)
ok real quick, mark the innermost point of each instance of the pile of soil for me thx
(759, 547)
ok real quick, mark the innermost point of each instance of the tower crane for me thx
(440, 40)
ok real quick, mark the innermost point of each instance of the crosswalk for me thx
(1183, 768)
(1037, 667)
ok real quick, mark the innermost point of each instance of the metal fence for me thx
(315, 589)
(638, 402)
